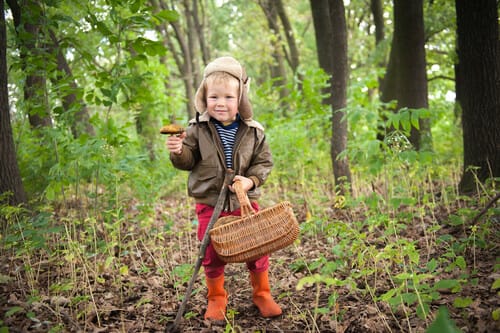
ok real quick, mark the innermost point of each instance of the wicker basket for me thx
(252, 235)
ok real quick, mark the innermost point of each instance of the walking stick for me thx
(204, 243)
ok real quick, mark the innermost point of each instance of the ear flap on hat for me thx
(245, 107)
(200, 101)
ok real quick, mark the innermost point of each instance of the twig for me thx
(64, 314)
(485, 209)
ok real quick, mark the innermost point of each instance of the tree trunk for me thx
(197, 17)
(406, 79)
(478, 80)
(331, 40)
(277, 68)
(378, 20)
(293, 57)
(32, 45)
(182, 54)
(80, 123)
(11, 186)
(409, 28)
(192, 38)
(339, 92)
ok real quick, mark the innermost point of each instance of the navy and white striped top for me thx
(227, 135)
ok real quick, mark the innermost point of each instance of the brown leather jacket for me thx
(203, 155)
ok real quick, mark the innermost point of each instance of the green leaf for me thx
(496, 314)
(460, 262)
(168, 15)
(442, 323)
(109, 260)
(388, 295)
(150, 47)
(124, 270)
(404, 276)
(308, 280)
(13, 310)
(103, 29)
(455, 220)
(446, 284)
(322, 310)
(496, 284)
(395, 301)
(396, 120)
(432, 265)
(135, 6)
(423, 310)
(405, 119)
(462, 302)
(415, 115)
(153, 48)
(409, 298)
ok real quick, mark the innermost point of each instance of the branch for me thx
(485, 209)
(437, 77)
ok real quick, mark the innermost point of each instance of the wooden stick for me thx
(204, 243)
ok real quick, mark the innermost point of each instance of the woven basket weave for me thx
(252, 235)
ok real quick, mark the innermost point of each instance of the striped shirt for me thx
(227, 135)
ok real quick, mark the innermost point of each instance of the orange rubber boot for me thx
(217, 299)
(262, 295)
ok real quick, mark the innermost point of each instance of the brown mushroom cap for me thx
(172, 129)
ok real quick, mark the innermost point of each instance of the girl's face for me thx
(222, 100)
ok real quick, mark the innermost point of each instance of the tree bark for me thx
(182, 54)
(80, 123)
(192, 38)
(11, 186)
(478, 89)
(32, 41)
(277, 68)
(408, 16)
(331, 40)
(293, 55)
(378, 20)
(406, 79)
(199, 24)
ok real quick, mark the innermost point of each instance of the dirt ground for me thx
(71, 295)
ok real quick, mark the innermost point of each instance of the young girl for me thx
(223, 136)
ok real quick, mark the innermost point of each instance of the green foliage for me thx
(442, 323)
(305, 132)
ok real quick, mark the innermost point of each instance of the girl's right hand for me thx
(174, 143)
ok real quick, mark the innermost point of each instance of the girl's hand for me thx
(174, 143)
(246, 183)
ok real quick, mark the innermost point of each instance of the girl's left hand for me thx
(246, 183)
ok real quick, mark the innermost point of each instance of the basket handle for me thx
(246, 207)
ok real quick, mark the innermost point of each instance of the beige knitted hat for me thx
(234, 68)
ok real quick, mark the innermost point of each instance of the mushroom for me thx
(172, 129)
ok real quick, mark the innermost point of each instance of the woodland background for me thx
(383, 120)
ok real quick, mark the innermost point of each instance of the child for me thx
(223, 136)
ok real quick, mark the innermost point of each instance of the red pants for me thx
(212, 264)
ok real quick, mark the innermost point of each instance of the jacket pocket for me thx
(203, 181)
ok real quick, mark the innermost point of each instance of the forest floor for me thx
(139, 288)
